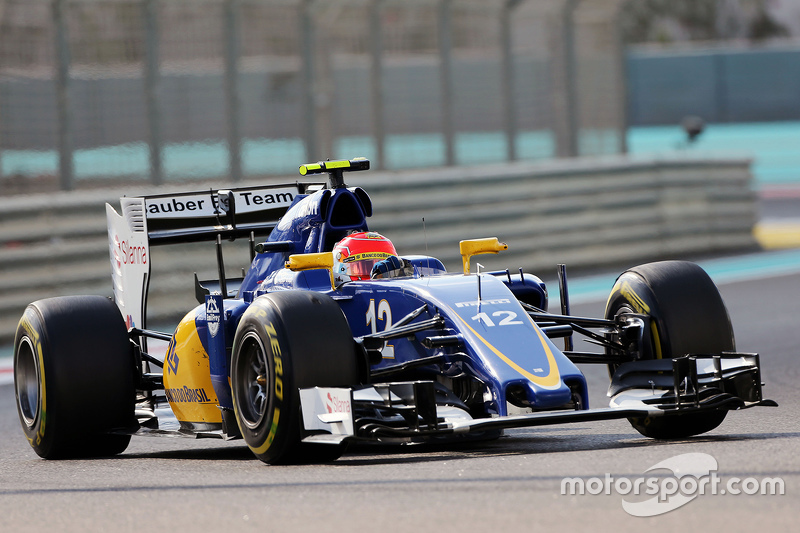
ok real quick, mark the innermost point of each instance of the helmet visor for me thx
(361, 264)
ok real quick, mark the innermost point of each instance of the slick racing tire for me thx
(286, 341)
(687, 316)
(74, 377)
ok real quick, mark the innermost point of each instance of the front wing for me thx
(409, 411)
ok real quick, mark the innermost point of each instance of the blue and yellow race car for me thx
(332, 337)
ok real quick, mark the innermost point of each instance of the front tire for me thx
(687, 316)
(74, 377)
(286, 341)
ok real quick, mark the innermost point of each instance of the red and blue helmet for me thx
(355, 255)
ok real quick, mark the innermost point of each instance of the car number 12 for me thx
(384, 314)
(507, 321)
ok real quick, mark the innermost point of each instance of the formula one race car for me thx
(331, 338)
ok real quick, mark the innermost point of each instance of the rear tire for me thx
(74, 377)
(284, 342)
(687, 316)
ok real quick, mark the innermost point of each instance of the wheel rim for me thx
(254, 380)
(26, 380)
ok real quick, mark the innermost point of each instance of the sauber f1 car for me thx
(299, 357)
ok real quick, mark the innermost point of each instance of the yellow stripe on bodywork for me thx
(551, 380)
(191, 372)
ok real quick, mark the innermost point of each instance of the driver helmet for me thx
(355, 255)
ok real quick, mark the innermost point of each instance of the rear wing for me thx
(185, 217)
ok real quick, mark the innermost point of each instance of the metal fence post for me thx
(720, 87)
(232, 33)
(306, 29)
(622, 63)
(63, 101)
(446, 78)
(152, 81)
(376, 82)
(565, 101)
(507, 49)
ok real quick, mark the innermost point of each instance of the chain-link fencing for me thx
(160, 91)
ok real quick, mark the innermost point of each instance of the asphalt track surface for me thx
(162, 484)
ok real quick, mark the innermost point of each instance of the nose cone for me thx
(527, 393)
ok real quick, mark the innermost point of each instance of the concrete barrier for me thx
(583, 212)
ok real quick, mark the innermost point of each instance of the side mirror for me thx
(472, 247)
(299, 262)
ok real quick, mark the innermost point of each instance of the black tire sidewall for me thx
(683, 303)
(31, 330)
(687, 316)
(86, 376)
(306, 337)
(260, 320)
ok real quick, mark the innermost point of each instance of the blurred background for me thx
(112, 92)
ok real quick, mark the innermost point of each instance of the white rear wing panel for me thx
(197, 216)
(179, 218)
